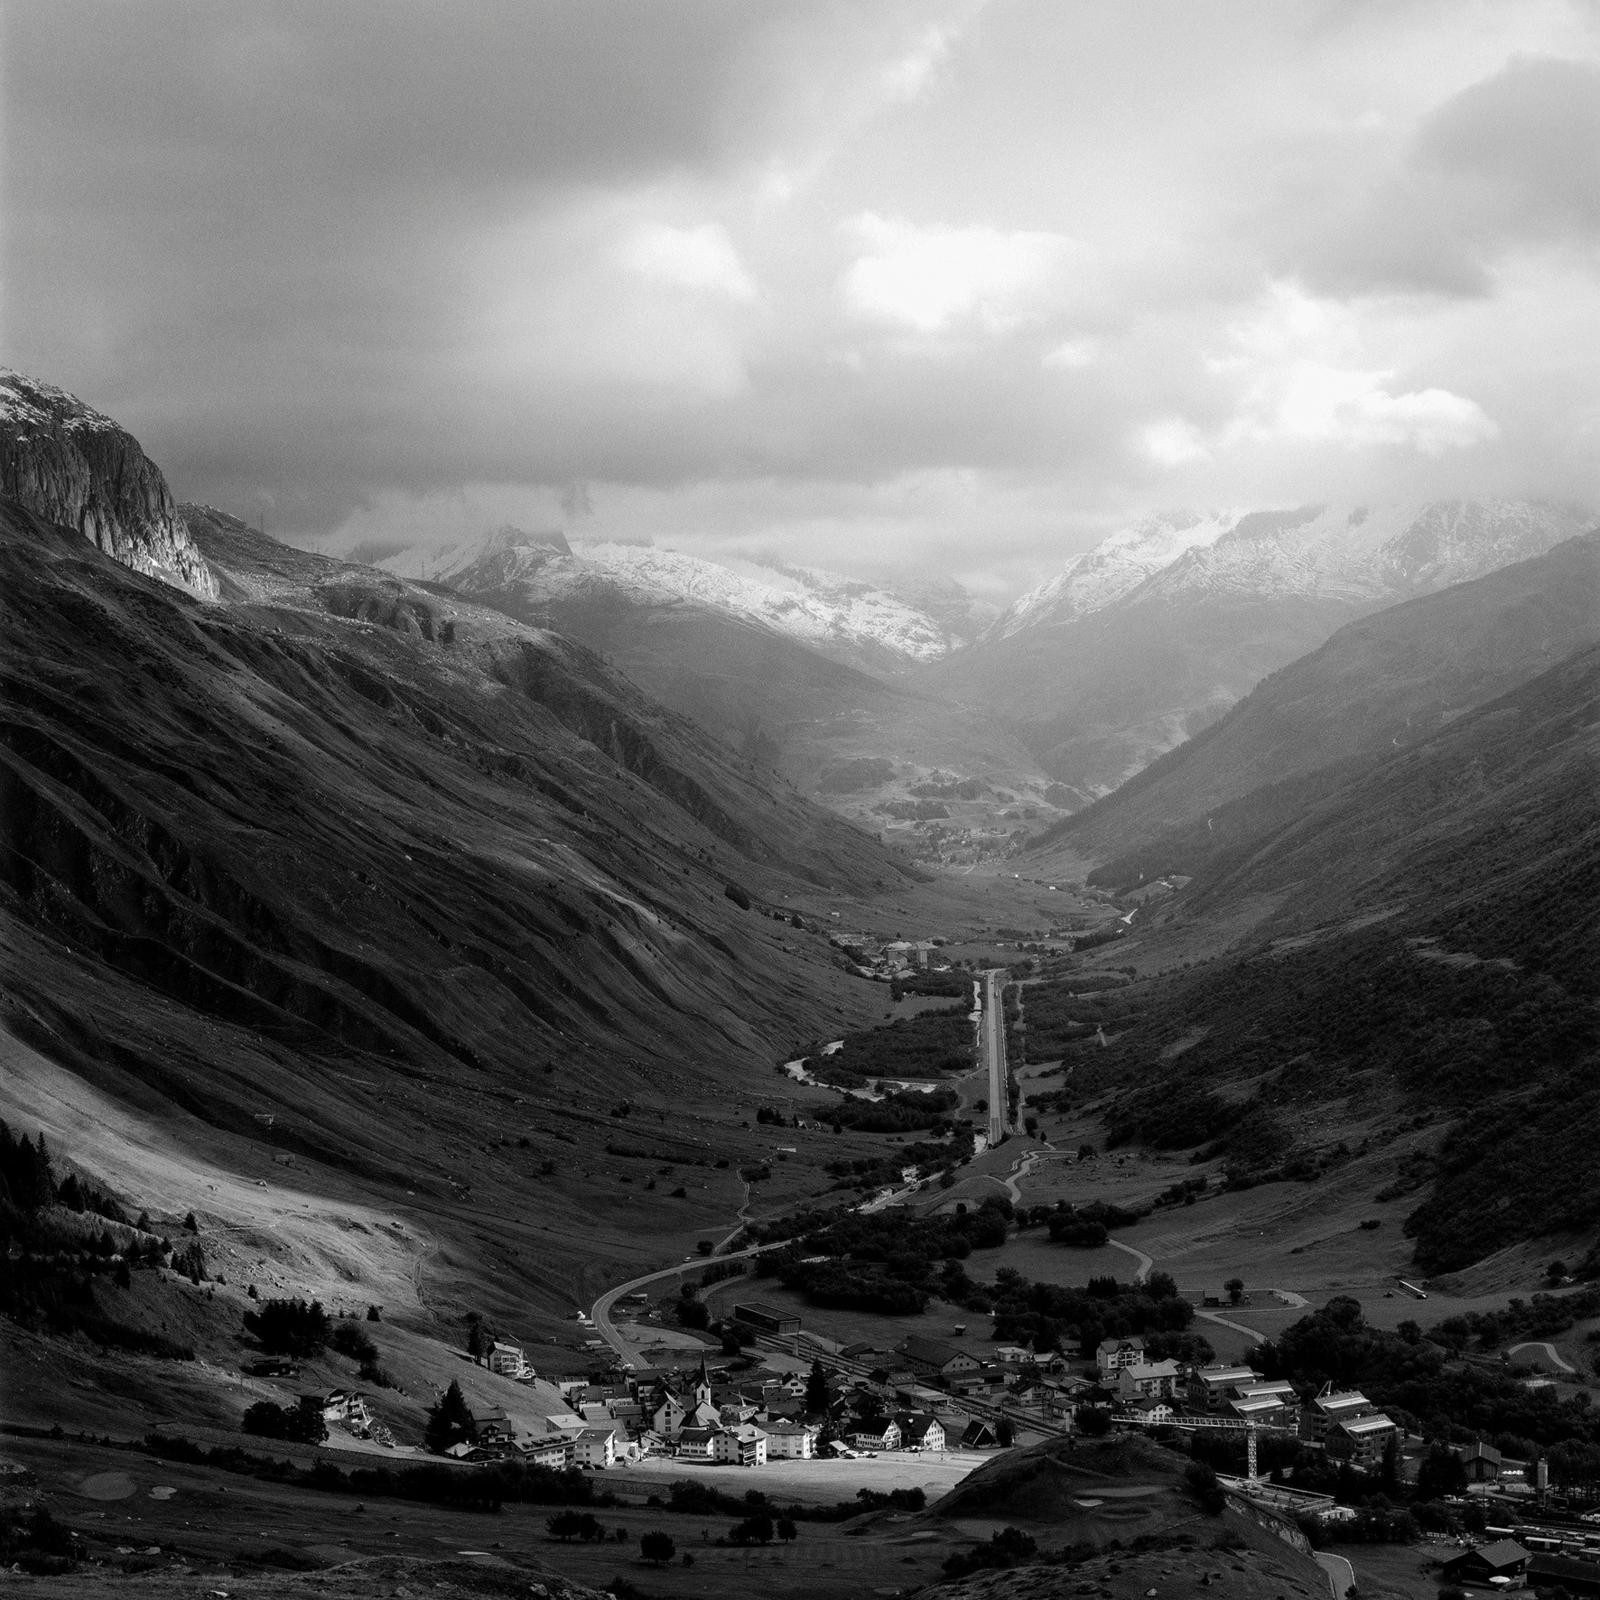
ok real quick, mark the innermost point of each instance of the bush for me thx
(351, 1339)
(565, 1525)
(1009, 1547)
(1206, 1489)
(657, 1547)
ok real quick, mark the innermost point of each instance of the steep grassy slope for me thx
(1097, 694)
(381, 864)
(1120, 1520)
(1097, 699)
(1434, 933)
(1387, 682)
(784, 704)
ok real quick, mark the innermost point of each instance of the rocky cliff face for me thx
(77, 468)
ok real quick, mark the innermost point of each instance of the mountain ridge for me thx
(1387, 680)
(74, 466)
(1107, 675)
(853, 621)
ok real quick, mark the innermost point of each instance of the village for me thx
(926, 1395)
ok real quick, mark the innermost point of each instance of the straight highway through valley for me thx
(992, 1042)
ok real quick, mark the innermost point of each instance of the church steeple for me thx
(702, 1383)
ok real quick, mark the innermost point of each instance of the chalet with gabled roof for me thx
(1113, 1354)
(1504, 1563)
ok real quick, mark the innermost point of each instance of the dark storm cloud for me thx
(793, 269)
(1508, 163)
(247, 220)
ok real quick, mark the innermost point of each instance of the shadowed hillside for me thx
(376, 862)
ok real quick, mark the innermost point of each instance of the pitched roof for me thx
(1366, 1424)
(919, 1347)
(1342, 1401)
(916, 1424)
(1153, 1369)
(1502, 1553)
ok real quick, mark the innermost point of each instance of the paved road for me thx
(1550, 1351)
(1341, 1575)
(992, 1036)
(600, 1312)
(1238, 1327)
(1145, 1262)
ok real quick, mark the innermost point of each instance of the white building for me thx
(509, 1361)
(790, 1441)
(743, 1446)
(597, 1447)
(1113, 1354)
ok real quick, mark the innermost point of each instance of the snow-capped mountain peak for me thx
(1366, 555)
(1114, 567)
(832, 612)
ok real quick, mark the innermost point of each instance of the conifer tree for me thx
(449, 1421)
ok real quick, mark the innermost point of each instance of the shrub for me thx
(350, 1339)
(657, 1547)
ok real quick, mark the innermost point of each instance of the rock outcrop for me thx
(75, 467)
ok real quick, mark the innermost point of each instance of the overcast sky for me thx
(954, 284)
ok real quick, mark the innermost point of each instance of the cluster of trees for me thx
(898, 1112)
(1414, 1380)
(49, 1261)
(945, 982)
(926, 1155)
(485, 1488)
(1050, 1316)
(1059, 1020)
(702, 1499)
(584, 1525)
(1542, 1317)
(936, 1044)
(26, 1180)
(1087, 1225)
(1010, 1547)
(1476, 1039)
(36, 1542)
(61, 1295)
(886, 1262)
(289, 1327)
(302, 1423)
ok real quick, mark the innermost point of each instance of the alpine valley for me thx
(439, 979)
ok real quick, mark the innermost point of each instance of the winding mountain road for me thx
(1551, 1353)
(600, 1312)
(1145, 1262)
